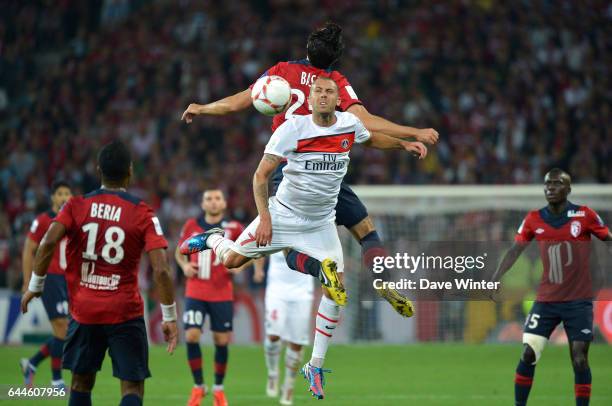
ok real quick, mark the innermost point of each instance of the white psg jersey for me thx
(317, 160)
(285, 283)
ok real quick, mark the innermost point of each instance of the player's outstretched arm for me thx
(508, 260)
(44, 255)
(231, 104)
(382, 141)
(378, 124)
(27, 260)
(165, 288)
(267, 165)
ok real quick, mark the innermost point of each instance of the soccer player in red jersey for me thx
(209, 290)
(55, 296)
(107, 231)
(563, 231)
(324, 48)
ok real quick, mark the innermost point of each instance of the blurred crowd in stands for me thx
(513, 88)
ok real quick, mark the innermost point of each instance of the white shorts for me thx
(289, 319)
(315, 238)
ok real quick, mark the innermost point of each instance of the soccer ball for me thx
(270, 95)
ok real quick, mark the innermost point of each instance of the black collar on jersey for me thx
(124, 195)
(206, 226)
(51, 213)
(557, 220)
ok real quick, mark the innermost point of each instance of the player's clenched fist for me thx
(428, 136)
(263, 234)
(192, 110)
(417, 148)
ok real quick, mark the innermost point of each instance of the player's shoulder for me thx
(586, 211)
(533, 215)
(190, 223)
(348, 118)
(337, 76)
(44, 217)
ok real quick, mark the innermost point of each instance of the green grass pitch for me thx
(422, 374)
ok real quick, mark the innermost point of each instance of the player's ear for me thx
(338, 102)
(99, 171)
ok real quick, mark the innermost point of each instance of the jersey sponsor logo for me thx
(576, 213)
(539, 230)
(329, 163)
(91, 280)
(575, 228)
(105, 212)
(555, 261)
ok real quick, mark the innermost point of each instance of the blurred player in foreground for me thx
(288, 303)
(563, 231)
(208, 290)
(302, 215)
(107, 231)
(55, 296)
(324, 49)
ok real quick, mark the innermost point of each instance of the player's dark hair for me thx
(560, 172)
(58, 184)
(114, 161)
(325, 46)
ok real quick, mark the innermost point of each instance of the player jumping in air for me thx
(208, 290)
(288, 304)
(302, 214)
(55, 297)
(563, 231)
(324, 49)
(107, 231)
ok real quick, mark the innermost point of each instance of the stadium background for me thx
(513, 88)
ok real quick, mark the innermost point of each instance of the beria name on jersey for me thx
(105, 212)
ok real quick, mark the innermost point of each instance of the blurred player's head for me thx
(325, 46)
(323, 95)
(213, 202)
(60, 193)
(115, 164)
(557, 185)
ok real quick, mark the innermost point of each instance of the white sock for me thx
(293, 359)
(327, 321)
(217, 388)
(220, 245)
(272, 352)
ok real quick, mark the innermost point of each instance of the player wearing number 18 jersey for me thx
(209, 290)
(55, 296)
(107, 231)
(563, 232)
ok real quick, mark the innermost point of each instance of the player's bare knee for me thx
(295, 347)
(83, 382)
(132, 387)
(60, 327)
(363, 228)
(221, 339)
(273, 338)
(192, 335)
(580, 360)
(528, 356)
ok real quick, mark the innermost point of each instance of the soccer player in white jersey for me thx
(301, 216)
(288, 303)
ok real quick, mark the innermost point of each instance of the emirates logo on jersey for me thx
(344, 144)
(575, 228)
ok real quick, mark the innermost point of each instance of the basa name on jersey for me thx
(317, 160)
(107, 232)
(564, 243)
(301, 75)
(213, 282)
(39, 227)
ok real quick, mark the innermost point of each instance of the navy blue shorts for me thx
(576, 316)
(55, 296)
(127, 345)
(349, 209)
(221, 314)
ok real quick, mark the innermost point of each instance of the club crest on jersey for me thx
(575, 213)
(344, 144)
(539, 230)
(575, 228)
